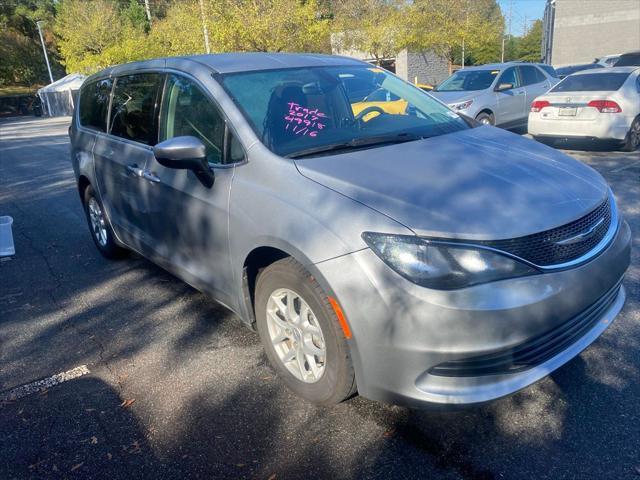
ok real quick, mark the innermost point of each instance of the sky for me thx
(522, 10)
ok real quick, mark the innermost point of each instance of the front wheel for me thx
(632, 140)
(486, 118)
(302, 335)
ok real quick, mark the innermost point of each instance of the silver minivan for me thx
(497, 94)
(380, 244)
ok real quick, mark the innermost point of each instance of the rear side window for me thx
(94, 103)
(629, 60)
(531, 75)
(592, 82)
(133, 110)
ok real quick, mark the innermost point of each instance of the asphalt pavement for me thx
(165, 383)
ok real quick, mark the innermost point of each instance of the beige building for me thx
(425, 68)
(579, 31)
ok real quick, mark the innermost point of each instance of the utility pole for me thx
(148, 10)
(44, 49)
(502, 57)
(205, 32)
(510, 16)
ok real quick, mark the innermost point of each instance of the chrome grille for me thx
(542, 248)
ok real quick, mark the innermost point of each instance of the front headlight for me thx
(442, 265)
(461, 105)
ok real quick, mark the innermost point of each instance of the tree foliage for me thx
(530, 46)
(443, 26)
(90, 35)
(267, 25)
(21, 57)
(373, 27)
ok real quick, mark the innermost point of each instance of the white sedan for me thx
(592, 104)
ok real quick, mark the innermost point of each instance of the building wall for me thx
(424, 67)
(586, 29)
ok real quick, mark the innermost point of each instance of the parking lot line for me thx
(38, 385)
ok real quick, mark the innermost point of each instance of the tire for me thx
(104, 238)
(336, 382)
(486, 118)
(632, 140)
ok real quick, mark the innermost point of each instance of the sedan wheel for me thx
(632, 142)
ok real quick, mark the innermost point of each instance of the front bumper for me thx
(401, 331)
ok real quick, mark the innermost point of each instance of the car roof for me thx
(500, 66)
(252, 61)
(603, 71)
(242, 62)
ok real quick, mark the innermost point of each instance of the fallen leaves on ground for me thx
(127, 403)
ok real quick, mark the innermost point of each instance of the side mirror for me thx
(187, 153)
(504, 86)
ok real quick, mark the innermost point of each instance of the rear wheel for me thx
(99, 226)
(486, 118)
(301, 334)
(632, 140)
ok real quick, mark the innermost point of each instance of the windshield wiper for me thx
(355, 143)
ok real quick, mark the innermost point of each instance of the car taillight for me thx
(539, 105)
(605, 106)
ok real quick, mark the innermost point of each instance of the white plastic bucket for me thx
(6, 237)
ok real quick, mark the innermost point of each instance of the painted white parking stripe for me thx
(33, 387)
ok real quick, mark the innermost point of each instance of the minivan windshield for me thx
(307, 111)
(592, 82)
(468, 80)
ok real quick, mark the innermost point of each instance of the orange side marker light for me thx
(341, 318)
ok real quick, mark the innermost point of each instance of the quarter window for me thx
(186, 110)
(94, 103)
(134, 106)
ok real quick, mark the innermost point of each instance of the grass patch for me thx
(9, 91)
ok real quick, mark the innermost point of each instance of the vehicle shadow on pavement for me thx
(79, 429)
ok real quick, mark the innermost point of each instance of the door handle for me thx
(147, 175)
(521, 92)
(135, 170)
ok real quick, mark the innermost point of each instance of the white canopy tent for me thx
(58, 98)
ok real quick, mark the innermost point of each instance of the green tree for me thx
(21, 58)
(267, 25)
(98, 33)
(373, 27)
(443, 26)
(530, 45)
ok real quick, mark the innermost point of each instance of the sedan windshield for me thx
(468, 80)
(591, 82)
(308, 111)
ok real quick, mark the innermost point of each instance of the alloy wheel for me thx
(296, 335)
(98, 224)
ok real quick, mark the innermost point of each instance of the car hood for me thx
(482, 183)
(454, 97)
